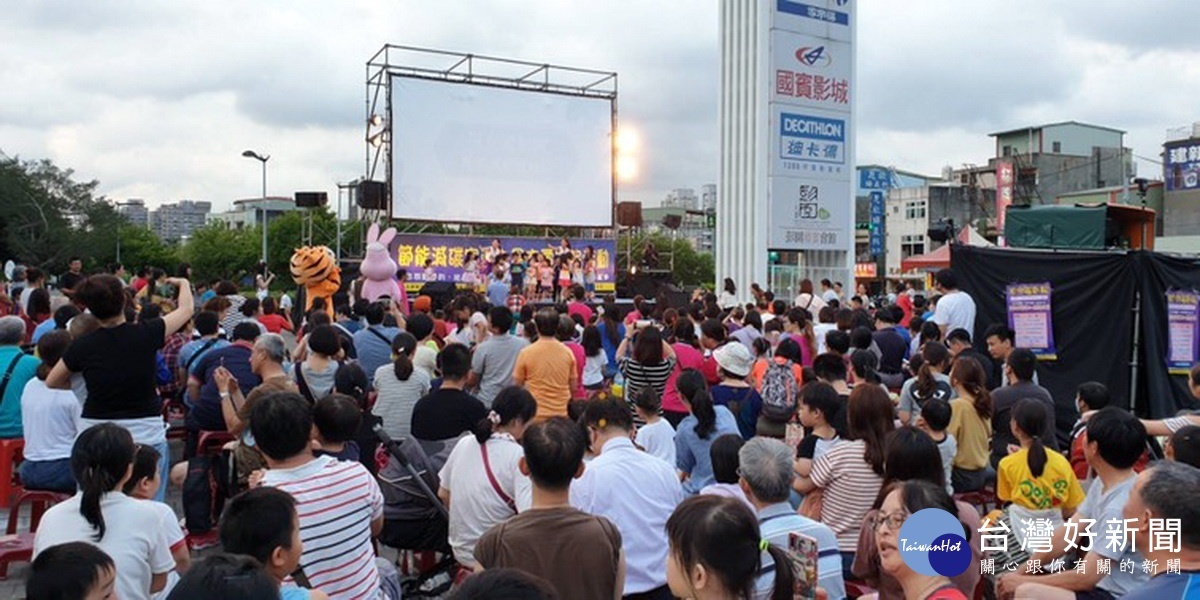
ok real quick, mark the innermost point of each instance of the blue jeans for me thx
(164, 469)
(53, 475)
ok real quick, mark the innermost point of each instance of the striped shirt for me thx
(776, 523)
(850, 488)
(639, 376)
(337, 502)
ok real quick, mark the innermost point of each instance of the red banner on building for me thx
(1004, 194)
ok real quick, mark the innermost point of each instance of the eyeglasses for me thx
(893, 521)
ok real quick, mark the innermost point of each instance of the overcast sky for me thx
(158, 99)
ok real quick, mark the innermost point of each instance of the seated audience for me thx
(633, 490)
(579, 554)
(971, 426)
(1115, 441)
(71, 571)
(481, 482)
(851, 473)
(398, 387)
(51, 419)
(445, 414)
(226, 576)
(697, 432)
(657, 436)
(1167, 491)
(144, 481)
(339, 503)
(504, 584)
(901, 501)
(1184, 446)
(766, 478)
(127, 529)
(711, 542)
(724, 457)
(262, 523)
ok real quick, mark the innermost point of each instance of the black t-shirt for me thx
(118, 365)
(892, 347)
(446, 414)
(69, 280)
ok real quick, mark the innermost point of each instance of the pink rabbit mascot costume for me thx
(378, 267)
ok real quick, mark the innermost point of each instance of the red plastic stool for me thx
(17, 546)
(11, 452)
(211, 442)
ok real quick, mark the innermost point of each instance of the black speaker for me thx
(672, 221)
(629, 214)
(440, 292)
(372, 195)
(311, 199)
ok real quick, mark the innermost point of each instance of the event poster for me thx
(445, 254)
(1029, 317)
(1183, 316)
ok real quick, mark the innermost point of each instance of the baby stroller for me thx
(415, 521)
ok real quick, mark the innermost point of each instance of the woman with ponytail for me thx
(481, 483)
(971, 425)
(1039, 484)
(931, 382)
(865, 366)
(715, 551)
(399, 386)
(127, 529)
(694, 436)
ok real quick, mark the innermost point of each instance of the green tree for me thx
(140, 247)
(691, 268)
(43, 211)
(220, 251)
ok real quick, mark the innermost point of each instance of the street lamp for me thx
(263, 160)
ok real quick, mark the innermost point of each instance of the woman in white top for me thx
(481, 483)
(50, 419)
(808, 299)
(399, 386)
(728, 298)
(262, 281)
(127, 529)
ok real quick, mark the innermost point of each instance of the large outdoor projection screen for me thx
(481, 154)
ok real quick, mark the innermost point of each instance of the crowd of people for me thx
(572, 449)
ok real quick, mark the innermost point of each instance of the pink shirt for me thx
(686, 357)
(581, 309)
(580, 359)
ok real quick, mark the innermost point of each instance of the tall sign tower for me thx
(787, 140)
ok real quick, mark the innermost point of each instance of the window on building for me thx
(1057, 147)
(1008, 151)
(914, 209)
(911, 245)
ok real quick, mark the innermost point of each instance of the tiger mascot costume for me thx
(315, 269)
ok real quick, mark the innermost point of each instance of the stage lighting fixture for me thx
(376, 140)
(941, 230)
(375, 120)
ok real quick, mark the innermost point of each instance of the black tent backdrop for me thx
(1094, 301)
(1091, 303)
(1160, 394)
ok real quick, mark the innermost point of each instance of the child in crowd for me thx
(564, 279)
(1038, 483)
(1184, 446)
(589, 278)
(516, 270)
(470, 268)
(595, 359)
(657, 436)
(703, 534)
(724, 455)
(336, 418)
(547, 280)
(72, 570)
(262, 523)
(143, 484)
(430, 274)
(226, 576)
(576, 272)
(933, 420)
(819, 403)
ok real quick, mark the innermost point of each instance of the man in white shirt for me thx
(339, 502)
(634, 490)
(955, 308)
(828, 294)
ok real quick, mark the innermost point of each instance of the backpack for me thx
(778, 392)
(205, 489)
(941, 391)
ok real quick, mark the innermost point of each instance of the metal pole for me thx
(337, 217)
(264, 209)
(1133, 358)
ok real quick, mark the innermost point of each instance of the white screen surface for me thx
(479, 154)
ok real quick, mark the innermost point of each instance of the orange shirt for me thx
(547, 369)
(760, 369)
